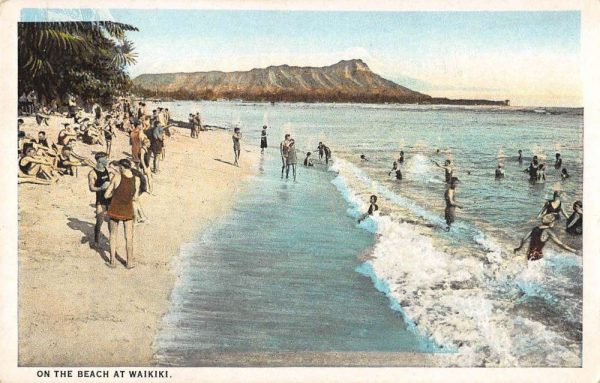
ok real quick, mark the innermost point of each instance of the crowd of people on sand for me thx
(116, 183)
(549, 215)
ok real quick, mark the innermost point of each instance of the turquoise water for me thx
(289, 277)
(281, 277)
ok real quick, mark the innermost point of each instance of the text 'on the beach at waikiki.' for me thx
(103, 373)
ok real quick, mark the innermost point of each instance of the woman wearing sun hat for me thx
(538, 237)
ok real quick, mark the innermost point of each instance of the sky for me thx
(531, 58)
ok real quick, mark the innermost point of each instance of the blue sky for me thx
(531, 58)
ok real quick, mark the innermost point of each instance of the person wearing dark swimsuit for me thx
(448, 170)
(394, 168)
(554, 207)
(520, 157)
(122, 190)
(558, 162)
(538, 237)
(236, 137)
(98, 181)
(451, 205)
(373, 207)
(327, 152)
(263, 139)
(575, 220)
(320, 149)
(401, 158)
(533, 169)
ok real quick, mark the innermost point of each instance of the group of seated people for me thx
(42, 161)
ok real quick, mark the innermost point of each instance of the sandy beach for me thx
(70, 302)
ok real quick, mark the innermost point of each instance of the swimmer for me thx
(308, 160)
(394, 168)
(575, 221)
(533, 169)
(401, 158)
(499, 172)
(558, 161)
(372, 208)
(520, 158)
(564, 174)
(553, 206)
(448, 170)
(538, 237)
(363, 157)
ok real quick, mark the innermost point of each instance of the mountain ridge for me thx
(344, 81)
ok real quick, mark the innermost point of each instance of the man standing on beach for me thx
(98, 181)
(283, 149)
(122, 189)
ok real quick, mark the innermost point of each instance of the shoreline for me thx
(110, 317)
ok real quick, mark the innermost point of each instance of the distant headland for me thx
(346, 81)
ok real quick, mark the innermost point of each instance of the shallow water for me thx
(463, 290)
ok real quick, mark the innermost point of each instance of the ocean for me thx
(289, 269)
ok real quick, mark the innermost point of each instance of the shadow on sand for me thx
(87, 229)
(223, 161)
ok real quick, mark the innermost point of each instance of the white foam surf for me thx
(465, 303)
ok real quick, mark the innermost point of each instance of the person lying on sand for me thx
(538, 237)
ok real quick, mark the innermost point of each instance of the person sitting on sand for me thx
(283, 150)
(499, 172)
(65, 164)
(65, 134)
(564, 174)
(558, 161)
(236, 137)
(451, 205)
(263, 139)
(41, 118)
(538, 237)
(575, 220)
(98, 181)
(308, 160)
(553, 206)
(35, 168)
(122, 189)
(394, 168)
(373, 207)
(448, 170)
(292, 160)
